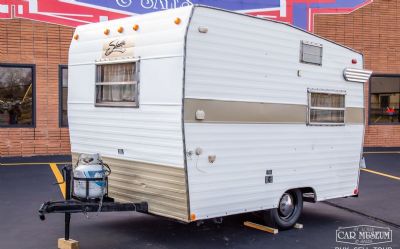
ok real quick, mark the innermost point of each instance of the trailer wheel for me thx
(288, 211)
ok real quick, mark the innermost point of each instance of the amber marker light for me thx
(120, 29)
(177, 21)
(76, 36)
(192, 216)
(135, 27)
(106, 31)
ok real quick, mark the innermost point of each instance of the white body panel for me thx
(241, 59)
(324, 159)
(151, 133)
(252, 60)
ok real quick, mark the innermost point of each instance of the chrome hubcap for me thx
(286, 205)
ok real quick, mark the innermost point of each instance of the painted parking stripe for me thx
(382, 174)
(59, 177)
(27, 164)
(382, 152)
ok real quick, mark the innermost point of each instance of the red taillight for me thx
(355, 191)
(354, 61)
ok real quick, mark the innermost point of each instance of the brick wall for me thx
(45, 45)
(375, 31)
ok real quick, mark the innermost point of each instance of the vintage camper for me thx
(203, 113)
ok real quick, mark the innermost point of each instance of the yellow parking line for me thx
(381, 174)
(27, 164)
(382, 152)
(59, 177)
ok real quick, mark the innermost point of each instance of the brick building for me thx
(34, 53)
(33, 75)
(375, 31)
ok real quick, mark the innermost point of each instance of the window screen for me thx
(16, 95)
(326, 108)
(117, 85)
(311, 53)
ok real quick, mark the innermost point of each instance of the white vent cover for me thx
(356, 75)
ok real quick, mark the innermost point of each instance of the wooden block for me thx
(261, 227)
(67, 244)
(298, 226)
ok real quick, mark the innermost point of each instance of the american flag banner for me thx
(77, 12)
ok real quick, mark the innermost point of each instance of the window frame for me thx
(369, 97)
(135, 82)
(302, 43)
(33, 68)
(310, 107)
(60, 95)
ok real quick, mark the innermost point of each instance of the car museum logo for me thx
(363, 235)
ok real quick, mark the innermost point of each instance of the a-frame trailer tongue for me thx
(73, 205)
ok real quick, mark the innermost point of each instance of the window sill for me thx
(117, 104)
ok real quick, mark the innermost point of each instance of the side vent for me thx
(357, 75)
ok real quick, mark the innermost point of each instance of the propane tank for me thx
(90, 177)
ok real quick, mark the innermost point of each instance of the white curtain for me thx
(116, 73)
(327, 100)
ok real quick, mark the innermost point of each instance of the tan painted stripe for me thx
(162, 187)
(244, 112)
(219, 111)
(354, 115)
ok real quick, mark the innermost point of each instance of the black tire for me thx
(287, 218)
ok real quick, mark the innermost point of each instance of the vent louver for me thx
(356, 75)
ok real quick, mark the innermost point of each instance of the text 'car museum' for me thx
(36, 36)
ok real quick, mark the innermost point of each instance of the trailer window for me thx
(326, 108)
(311, 53)
(117, 85)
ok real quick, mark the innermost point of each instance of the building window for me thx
(63, 79)
(117, 85)
(311, 53)
(384, 99)
(17, 91)
(326, 107)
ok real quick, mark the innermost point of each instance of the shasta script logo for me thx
(115, 46)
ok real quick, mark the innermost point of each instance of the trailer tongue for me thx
(74, 204)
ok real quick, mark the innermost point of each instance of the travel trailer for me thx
(202, 113)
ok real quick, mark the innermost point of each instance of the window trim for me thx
(369, 97)
(33, 67)
(136, 83)
(309, 107)
(302, 43)
(60, 95)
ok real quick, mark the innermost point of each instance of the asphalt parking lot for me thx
(24, 186)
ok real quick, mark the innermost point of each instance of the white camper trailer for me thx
(203, 113)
